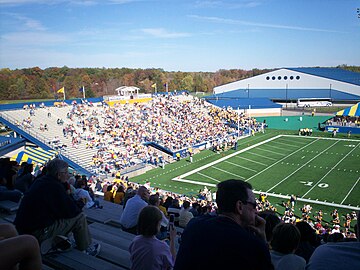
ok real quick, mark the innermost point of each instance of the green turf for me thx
(322, 169)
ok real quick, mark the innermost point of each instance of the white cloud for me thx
(71, 2)
(226, 4)
(25, 23)
(33, 38)
(266, 25)
(19, 2)
(162, 33)
(124, 1)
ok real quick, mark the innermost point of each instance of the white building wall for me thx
(261, 112)
(305, 81)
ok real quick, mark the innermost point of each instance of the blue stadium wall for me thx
(290, 94)
(46, 103)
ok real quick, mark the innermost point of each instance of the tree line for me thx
(37, 83)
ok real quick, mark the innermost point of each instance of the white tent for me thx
(127, 91)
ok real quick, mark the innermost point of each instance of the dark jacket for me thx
(219, 243)
(44, 203)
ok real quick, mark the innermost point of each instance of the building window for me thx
(268, 78)
(285, 78)
(291, 77)
(298, 77)
(273, 78)
(279, 78)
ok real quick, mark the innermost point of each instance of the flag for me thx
(154, 85)
(61, 90)
(82, 89)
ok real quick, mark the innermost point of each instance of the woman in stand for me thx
(147, 252)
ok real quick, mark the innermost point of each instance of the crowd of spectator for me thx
(304, 231)
(120, 134)
(186, 207)
(269, 239)
(346, 121)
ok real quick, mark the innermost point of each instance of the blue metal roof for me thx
(332, 73)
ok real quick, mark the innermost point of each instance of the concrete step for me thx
(77, 260)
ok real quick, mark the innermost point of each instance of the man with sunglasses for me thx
(234, 239)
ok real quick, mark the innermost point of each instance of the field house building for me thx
(288, 84)
(256, 95)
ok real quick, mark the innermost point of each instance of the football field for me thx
(321, 170)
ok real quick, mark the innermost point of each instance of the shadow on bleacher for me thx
(114, 242)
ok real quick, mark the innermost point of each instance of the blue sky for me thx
(179, 35)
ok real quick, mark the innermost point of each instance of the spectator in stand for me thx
(25, 179)
(162, 207)
(308, 240)
(335, 237)
(108, 195)
(286, 238)
(168, 202)
(8, 170)
(18, 251)
(87, 187)
(271, 221)
(119, 195)
(47, 211)
(147, 252)
(155, 201)
(337, 256)
(195, 209)
(174, 209)
(234, 238)
(130, 193)
(185, 215)
(81, 193)
(129, 217)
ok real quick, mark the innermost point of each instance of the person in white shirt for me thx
(185, 215)
(81, 193)
(131, 212)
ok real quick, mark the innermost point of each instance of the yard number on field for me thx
(321, 185)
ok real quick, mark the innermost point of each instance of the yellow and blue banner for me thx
(351, 111)
(22, 157)
(34, 155)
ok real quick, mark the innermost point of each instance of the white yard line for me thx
(194, 182)
(221, 170)
(209, 177)
(281, 160)
(253, 161)
(347, 195)
(301, 167)
(273, 159)
(286, 144)
(237, 165)
(315, 185)
(293, 142)
(272, 152)
(275, 147)
(225, 158)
